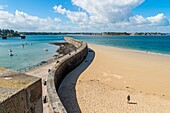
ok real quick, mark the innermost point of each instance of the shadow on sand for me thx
(132, 102)
(67, 91)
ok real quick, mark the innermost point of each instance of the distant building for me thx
(4, 37)
(22, 36)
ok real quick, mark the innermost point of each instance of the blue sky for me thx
(153, 7)
(85, 15)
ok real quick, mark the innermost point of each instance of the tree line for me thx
(12, 33)
(9, 33)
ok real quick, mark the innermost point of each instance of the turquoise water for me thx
(33, 54)
(28, 56)
(156, 44)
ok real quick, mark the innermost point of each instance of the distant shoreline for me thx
(11, 33)
(97, 33)
(87, 35)
(134, 50)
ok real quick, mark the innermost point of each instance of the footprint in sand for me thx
(114, 75)
(117, 76)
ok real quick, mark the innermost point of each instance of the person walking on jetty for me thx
(128, 99)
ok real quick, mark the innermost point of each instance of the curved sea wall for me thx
(63, 66)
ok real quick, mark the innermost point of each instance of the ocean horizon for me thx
(33, 52)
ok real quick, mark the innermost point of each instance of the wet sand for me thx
(116, 73)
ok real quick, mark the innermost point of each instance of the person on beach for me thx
(128, 98)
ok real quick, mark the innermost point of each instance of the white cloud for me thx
(109, 15)
(22, 21)
(3, 6)
(108, 11)
(75, 17)
(57, 19)
(158, 20)
(78, 17)
(59, 9)
(139, 20)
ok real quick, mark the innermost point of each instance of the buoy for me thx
(45, 49)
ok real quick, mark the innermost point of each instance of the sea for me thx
(33, 51)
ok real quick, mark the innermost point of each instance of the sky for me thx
(86, 15)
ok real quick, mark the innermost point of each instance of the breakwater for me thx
(63, 66)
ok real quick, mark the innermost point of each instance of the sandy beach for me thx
(116, 73)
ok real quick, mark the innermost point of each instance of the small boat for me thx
(30, 44)
(10, 50)
(45, 49)
(11, 54)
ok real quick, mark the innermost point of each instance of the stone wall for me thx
(20, 93)
(63, 66)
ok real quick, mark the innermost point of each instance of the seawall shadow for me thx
(67, 89)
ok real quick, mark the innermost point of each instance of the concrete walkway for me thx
(67, 92)
(42, 72)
